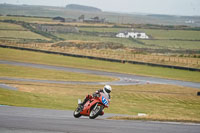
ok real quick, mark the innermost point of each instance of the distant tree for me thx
(96, 18)
(82, 17)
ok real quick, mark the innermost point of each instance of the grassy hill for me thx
(82, 8)
(48, 11)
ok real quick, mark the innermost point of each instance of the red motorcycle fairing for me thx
(93, 107)
(88, 106)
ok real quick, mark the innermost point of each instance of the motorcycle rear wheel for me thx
(95, 111)
(77, 112)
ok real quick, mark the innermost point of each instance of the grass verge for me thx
(159, 102)
(35, 57)
(45, 74)
(152, 119)
(25, 99)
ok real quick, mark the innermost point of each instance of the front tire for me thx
(77, 112)
(95, 111)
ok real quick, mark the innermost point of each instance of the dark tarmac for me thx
(34, 120)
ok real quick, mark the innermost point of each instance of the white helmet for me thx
(107, 89)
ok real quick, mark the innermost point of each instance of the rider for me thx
(106, 90)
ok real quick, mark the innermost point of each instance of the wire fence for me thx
(153, 60)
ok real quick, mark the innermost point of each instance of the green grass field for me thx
(7, 26)
(159, 102)
(21, 35)
(45, 74)
(26, 19)
(24, 99)
(13, 31)
(163, 43)
(155, 33)
(35, 57)
(167, 39)
(182, 38)
(173, 34)
(124, 41)
(172, 44)
(101, 29)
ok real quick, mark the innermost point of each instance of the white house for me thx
(132, 34)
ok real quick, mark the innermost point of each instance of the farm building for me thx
(132, 34)
(59, 19)
(95, 20)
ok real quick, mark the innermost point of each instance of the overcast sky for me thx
(171, 7)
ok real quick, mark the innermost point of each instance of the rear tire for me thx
(77, 112)
(95, 112)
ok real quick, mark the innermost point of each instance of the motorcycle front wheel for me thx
(95, 111)
(77, 112)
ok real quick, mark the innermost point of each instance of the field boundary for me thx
(101, 58)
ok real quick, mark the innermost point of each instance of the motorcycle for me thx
(93, 107)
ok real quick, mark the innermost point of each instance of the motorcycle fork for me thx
(95, 106)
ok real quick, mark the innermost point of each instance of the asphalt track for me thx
(32, 120)
(125, 79)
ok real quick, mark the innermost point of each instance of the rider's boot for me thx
(83, 103)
